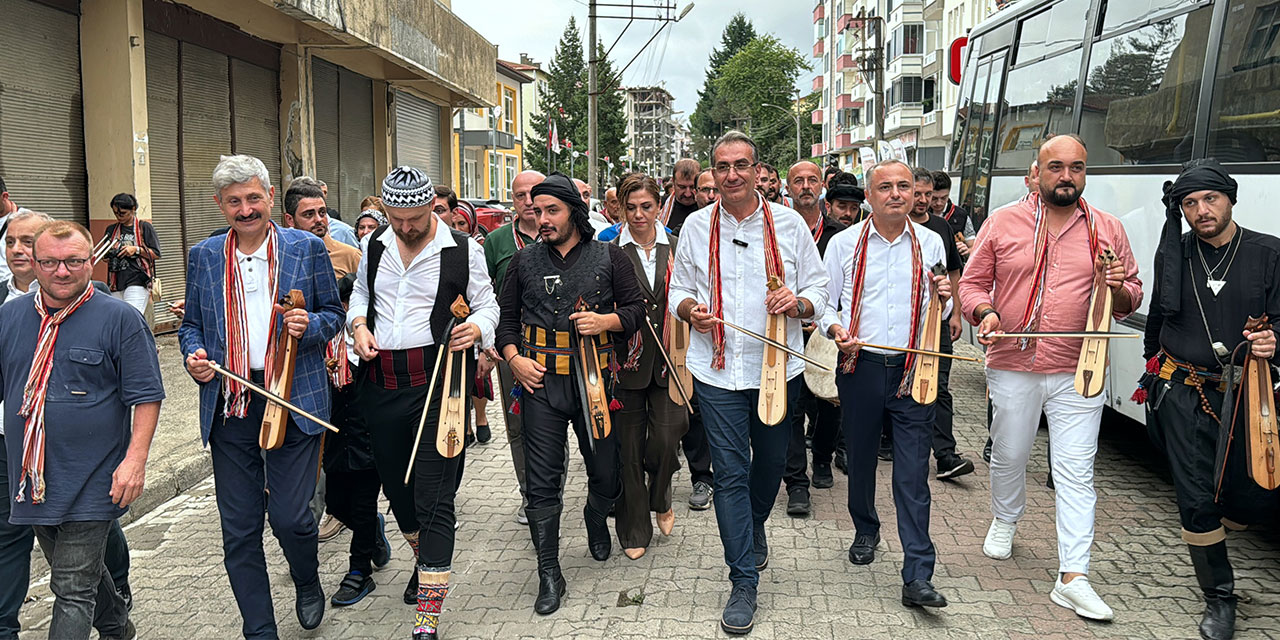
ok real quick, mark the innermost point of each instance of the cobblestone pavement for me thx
(678, 589)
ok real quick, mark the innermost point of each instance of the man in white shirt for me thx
(412, 273)
(7, 209)
(726, 257)
(880, 272)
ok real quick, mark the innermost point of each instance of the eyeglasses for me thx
(73, 264)
(706, 191)
(740, 166)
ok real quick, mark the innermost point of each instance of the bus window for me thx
(1244, 123)
(1142, 91)
(980, 138)
(1039, 101)
(1121, 15)
(962, 111)
(1048, 32)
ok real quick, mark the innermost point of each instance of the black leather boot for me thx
(544, 528)
(1213, 572)
(595, 514)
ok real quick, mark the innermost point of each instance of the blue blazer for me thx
(305, 266)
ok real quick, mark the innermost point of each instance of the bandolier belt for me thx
(552, 349)
(1179, 371)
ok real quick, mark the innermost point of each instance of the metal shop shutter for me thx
(324, 92)
(41, 115)
(418, 135)
(255, 94)
(206, 135)
(166, 199)
(355, 142)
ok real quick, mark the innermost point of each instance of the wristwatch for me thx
(801, 307)
(986, 312)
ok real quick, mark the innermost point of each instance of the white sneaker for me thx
(1078, 596)
(999, 542)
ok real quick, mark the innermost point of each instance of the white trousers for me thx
(1017, 398)
(136, 296)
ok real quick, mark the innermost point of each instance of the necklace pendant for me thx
(1215, 285)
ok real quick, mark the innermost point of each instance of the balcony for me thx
(818, 149)
(819, 12)
(817, 82)
(843, 141)
(846, 101)
(845, 63)
(932, 63)
(933, 10)
(818, 48)
(816, 116)
(846, 21)
(488, 138)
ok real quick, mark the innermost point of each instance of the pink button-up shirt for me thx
(1001, 270)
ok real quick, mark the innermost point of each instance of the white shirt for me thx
(648, 261)
(257, 303)
(408, 294)
(5, 273)
(743, 288)
(886, 294)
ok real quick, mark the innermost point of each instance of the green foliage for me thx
(764, 73)
(711, 117)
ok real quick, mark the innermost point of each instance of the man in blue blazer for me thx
(234, 283)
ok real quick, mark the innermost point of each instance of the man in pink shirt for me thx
(1032, 269)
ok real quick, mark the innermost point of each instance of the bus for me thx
(1148, 85)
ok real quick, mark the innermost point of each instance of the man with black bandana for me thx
(1209, 281)
(538, 324)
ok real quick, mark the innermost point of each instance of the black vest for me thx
(549, 294)
(455, 272)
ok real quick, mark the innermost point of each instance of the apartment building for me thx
(655, 139)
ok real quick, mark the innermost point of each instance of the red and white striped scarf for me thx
(635, 346)
(33, 396)
(918, 286)
(235, 395)
(817, 229)
(772, 266)
(147, 266)
(515, 233)
(1031, 315)
(664, 215)
(336, 351)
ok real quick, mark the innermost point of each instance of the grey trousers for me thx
(85, 596)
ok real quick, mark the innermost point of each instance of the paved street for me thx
(677, 590)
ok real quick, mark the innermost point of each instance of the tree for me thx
(710, 117)
(763, 72)
(611, 128)
(1136, 64)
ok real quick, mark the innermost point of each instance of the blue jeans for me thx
(85, 596)
(748, 457)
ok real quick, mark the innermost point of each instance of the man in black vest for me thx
(536, 335)
(413, 271)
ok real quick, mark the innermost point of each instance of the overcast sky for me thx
(678, 57)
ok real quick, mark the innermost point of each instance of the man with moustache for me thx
(539, 323)
(304, 208)
(804, 185)
(612, 207)
(768, 183)
(706, 189)
(500, 247)
(844, 199)
(728, 256)
(234, 281)
(683, 199)
(881, 280)
(1199, 305)
(1033, 269)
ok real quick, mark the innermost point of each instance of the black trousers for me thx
(240, 473)
(944, 439)
(697, 451)
(547, 414)
(825, 418)
(426, 504)
(869, 399)
(648, 430)
(351, 481)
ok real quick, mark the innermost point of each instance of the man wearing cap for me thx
(844, 199)
(234, 281)
(1209, 281)
(540, 326)
(414, 270)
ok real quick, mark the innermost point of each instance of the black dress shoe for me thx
(483, 434)
(863, 549)
(353, 588)
(599, 542)
(411, 589)
(760, 545)
(885, 453)
(986, 452)
(920, 593)
(310, 605)
(840, 461)
(798, 502)
(822, 478)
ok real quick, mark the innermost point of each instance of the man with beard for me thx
(407, 281)
(500, 247)
(804, 185)
(1054, 237)
(955, 215)
(232, 317)
(1193, 333)
(768, 183)
(304, 209)
(706, 189)
(844, 199)
(539, 325)
(683, 199)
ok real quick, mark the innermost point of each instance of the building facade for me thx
(891, 56)
(655, 139)
(488, 142)
(143, 96)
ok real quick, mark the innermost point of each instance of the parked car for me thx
(490, 214)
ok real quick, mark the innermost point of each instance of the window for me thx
(928, 99)
(508, 111)
(469, 178)
(1048, 32)
(1142, 90)
(906, 39)
(511, 176)
(906, 90)
(979, 139)
(963, 106)
(1122, 14)
(1244, 125)
(848, 118)
(1037, 103)
(493, 175)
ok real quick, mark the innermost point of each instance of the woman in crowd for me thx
(131, 248)
(372, 216)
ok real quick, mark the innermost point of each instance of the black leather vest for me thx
(549, 295)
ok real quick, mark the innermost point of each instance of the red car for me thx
(490, 214)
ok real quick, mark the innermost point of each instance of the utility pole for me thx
(593, 97)
(796, 117)
(872, 64)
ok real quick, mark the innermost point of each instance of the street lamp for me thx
(796, 117)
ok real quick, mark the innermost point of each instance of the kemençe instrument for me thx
(772, 405)
(454, 399)
(276, 419)
(679, 354)
(271, 397)
(1091, 370)
(672, 379)
(431, 391)
(1262, 442)
(924, 384)
(595, 402)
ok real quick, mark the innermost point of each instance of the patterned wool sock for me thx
(412, 539)
(433, 586)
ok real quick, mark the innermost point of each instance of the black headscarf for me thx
(561, 187)
(1197, 175)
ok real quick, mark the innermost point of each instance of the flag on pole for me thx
(554, 140)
